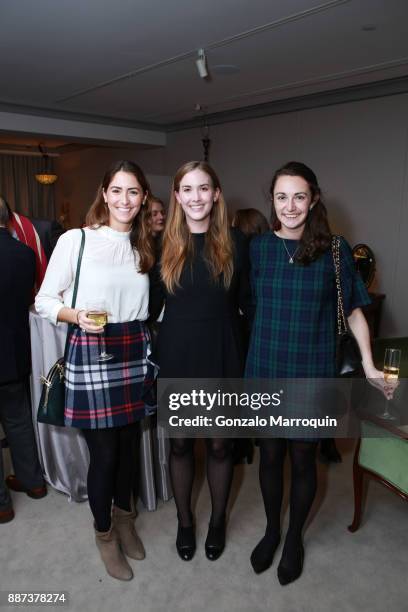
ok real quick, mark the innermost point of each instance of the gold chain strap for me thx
(341, 319)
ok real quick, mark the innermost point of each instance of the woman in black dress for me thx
(204, 269)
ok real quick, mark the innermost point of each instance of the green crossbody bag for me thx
(52, 402)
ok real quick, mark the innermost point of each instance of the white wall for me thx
(358, 151)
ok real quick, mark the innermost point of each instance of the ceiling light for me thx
(201, 63)
(45, 177)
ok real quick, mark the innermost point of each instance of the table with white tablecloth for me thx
(63, 451)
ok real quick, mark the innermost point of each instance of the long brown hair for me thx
(178, 243)
(316, 237)
(98, 214)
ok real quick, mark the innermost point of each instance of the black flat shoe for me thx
(263, 553)
(185, 542)
(215, 542)
(286, 575)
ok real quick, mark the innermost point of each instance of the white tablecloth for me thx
(63, 451)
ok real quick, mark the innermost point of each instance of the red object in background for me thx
(27, 234)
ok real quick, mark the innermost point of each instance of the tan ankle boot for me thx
(130, 542)
(115, 562)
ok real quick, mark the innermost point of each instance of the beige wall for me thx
(358, 151)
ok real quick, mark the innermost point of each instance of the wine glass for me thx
(392, 361)
(98, 312)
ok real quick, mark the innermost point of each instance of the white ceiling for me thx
(134, 60)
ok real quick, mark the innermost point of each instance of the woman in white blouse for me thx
(106, 399)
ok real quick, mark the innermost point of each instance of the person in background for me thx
(23, 229)
(294, 336)
(49, 232)
(157, 216)
(250, 221)
(17, 276)
(204, 269)
(107, 397)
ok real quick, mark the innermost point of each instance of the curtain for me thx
(19, 187)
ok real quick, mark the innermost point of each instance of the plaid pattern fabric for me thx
(111, 393)
(294, 331)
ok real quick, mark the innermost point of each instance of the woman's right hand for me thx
(87, 324)
(376, 379)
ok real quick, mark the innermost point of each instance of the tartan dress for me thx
(111, 393)
(294, 330)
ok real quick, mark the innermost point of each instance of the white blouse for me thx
(109, 272)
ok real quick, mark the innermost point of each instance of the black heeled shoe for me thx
(215, 542)
(286, 575)
(263, 553)
(185, 542)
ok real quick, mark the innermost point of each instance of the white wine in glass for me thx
(98, 312)
(99, 317)
(392, 361)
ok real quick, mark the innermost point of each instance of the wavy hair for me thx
(316, 237)
(178, 245)
(98, 214)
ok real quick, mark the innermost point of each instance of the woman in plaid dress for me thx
(294, 336)
(107, 399)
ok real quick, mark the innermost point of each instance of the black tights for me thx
(219, 475)
(303, 486)
(113, 456)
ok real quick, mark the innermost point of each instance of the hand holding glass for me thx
(98, 312)
(392, 361)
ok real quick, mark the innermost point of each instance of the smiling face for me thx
(197, 195)
(124, 197)
(292, 200)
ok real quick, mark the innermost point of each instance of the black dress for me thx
(200, 335)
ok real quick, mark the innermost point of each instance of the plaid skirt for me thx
(113, 393)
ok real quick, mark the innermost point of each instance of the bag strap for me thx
(78, 269)
(342, 325)
(74, 295)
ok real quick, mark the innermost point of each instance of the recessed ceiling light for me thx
(225, 69)
(369, 27)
